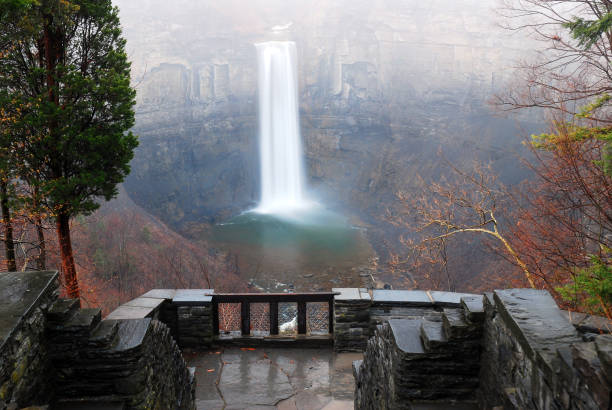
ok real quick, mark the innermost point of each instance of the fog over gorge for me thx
(383, 87)
(306, 204)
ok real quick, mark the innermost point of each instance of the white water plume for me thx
(282, 170)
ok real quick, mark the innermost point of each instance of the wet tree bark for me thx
(9, 244)
(70, 277)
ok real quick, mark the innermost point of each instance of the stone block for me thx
(192, 296)
(405, 297)
(447, 299)
(348, 294)
(473, 306)
(536, 321)
(160, 294)
(130, 312)
(145, 302)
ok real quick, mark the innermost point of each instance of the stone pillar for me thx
(194, 324)
(351, 319)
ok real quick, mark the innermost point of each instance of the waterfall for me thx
(282, 179)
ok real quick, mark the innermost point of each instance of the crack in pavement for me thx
(219, 379)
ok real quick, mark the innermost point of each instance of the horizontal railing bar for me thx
(272, 297)
(275, 294)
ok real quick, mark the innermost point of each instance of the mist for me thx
(383, 88)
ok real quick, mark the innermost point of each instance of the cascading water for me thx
(282, 175)
(288, 238)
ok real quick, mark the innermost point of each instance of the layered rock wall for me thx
(25, 367)
(427, 357)
(512, 349)
(55, 353)
(534, 357)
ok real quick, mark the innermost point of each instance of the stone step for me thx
(104, 335)
(91, 404)
(444, 364)
(84, 318)
(436, 381)
(68, 337)
(473, 308)
(438, 394)
(130, 334)
(79, 321)
(457, 327)
(62, 309)
(407, 336)
(432, 335)
(444, 406)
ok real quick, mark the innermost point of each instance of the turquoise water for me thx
(314, 249)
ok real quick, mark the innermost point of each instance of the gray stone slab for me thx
(407, 335)
(19, 294)
(192, 296)
(145, 302)
(474, 303)
(261, 383)
(473, 307)
(130, 312)
(130, 334)
(450, 299)
(536, 321)
(160, 293)
(588, 323)
(408, 297)
(88, 317)
(351, 294)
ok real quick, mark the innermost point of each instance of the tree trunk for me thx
(9, 244)
(68, 268)
(41, 260)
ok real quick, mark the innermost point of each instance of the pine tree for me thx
(69, 71)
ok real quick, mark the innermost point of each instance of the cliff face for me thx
(383, 84)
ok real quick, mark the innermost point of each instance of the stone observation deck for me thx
(371, 349)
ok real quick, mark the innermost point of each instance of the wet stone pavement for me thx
(273, 378)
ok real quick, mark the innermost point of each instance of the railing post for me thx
(331, 316)
(246, 317)
(273, 318)
(215, 317)
(301, 317)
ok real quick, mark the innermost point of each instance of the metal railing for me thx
(242, 315)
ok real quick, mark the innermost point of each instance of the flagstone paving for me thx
(273, 378)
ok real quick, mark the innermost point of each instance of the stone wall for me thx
(186, 312)
(25, 368)
(55, 353)
(135, 362)
(423, 358)
(512, 349)
(351, 319)
(534, 358)
(195, 326)
(357, 312)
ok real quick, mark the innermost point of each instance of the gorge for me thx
(379, 94)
